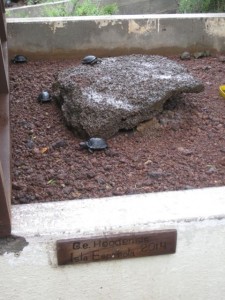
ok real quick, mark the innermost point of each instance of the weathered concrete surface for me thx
(116, 35)
(119, 93)
(195, 272)
(12, 244)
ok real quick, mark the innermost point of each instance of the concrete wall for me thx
(113, 35)
(29, 269)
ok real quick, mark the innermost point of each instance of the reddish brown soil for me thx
(184, 148)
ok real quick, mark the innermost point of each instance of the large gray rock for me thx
(119, 92)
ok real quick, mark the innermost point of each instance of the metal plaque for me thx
(110, 247)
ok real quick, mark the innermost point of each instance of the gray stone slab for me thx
(119, 92)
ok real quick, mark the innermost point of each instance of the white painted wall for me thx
(195, 272)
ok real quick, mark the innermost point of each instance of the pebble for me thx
(26, 199)
(211, 169)
(76, 194)
(100, 180)
(18, 186)
(23, 200)
(156, 174)
(221, 59)
(79, 186)
(61, 175)
(198, 55)
(59, 144)
(222, 161)
(206, 68)
(153, 123)
(108, 168)
(201, 54)
(123, 160)
(188, 187)
(118, 192)
(111, 153)
(185, 56)
(30, 144)
(91, 174)
(67, 190)
(185, 151)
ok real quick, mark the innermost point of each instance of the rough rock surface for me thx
(119, 93)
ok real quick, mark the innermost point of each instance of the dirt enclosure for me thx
(183, 148)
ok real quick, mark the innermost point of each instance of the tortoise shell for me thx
(44, 96)
(94, 143)
(19, 59)
(90, 60)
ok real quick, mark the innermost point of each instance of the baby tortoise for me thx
(8, 3)
(44, 97)
(90, 60)
(18, 59)
(94, 143)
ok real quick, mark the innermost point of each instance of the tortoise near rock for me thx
(90, 60)
(44, 97)
(93, 144)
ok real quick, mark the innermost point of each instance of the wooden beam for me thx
(5, 147)
(3, 34)
(5, 215)
(5, 143)
(4, 85)
(5, 167)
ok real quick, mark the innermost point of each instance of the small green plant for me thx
(90, 8)
(80, 8)
(87, 8)
(200, 6)
(110, 9)
(7, 14)
(55, 11)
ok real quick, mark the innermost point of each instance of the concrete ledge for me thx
(195, 271)
(116, 35)
(118, 214)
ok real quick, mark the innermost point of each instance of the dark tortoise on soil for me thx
(90, 60)
(8, 3)
(18, 59)
(44, 97)
(94, 143)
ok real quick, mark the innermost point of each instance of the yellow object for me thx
(222, 91)
(43, 150)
